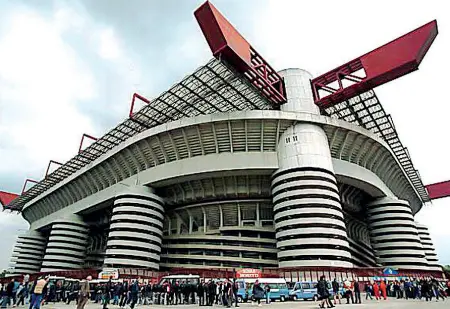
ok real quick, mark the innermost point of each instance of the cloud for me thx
(11, 225)
(434, 216)
(108, 44)
(42, 79)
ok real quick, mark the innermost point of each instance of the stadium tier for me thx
(239, 165)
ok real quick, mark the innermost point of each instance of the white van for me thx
(278, 288)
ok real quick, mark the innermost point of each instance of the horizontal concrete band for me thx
(388, 219)
(66, 245)
(135, 234)
(291, 187)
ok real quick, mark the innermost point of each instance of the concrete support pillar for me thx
(309, 222)
(394, 235)
(66, 248)
(136, 229)
(28, 253)
(428, 247)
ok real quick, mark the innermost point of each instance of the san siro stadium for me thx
(241, 166)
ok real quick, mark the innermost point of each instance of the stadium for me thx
(242, 166)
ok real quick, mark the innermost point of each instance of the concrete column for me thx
(428, 247)
(66, 248)
(136, 229)
(309, 222)
(394, 235)
(29, 252)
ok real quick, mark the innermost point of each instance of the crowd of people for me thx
(424, 288)
(205, 293)
(125, 294)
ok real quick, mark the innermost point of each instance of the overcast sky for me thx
(70, 67)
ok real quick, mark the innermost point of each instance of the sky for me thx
(71, 67)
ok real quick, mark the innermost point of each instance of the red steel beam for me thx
(49, 164)
(82, 140)
(25, 184)
(133, 101)
(6, 198)
(438, 190)
(228, 44)
(384, 64)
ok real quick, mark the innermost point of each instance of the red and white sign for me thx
(109, 273)
(248, 273)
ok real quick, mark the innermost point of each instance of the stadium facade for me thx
(213, 175)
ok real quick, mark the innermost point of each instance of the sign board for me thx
(389, 279)
(389, 271)
(107, 273)
(248, 273)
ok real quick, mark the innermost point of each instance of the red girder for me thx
(133, 101)
(49, 164)
(228, 44)
(6, 198)
(384, 64)
(438, 190)
(82, 140)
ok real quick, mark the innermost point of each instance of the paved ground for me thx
(389, 304)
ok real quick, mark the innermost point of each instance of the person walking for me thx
(258, 293)
(107, 293)
(368, 290)
(2, 295)
(8, 294)
(357, 292)
(426, 290)
(267, 289)
(376, 290)
(211, 292)
(20, 295)
(83, 296)
(201, 293)
(336, 294)
(324, 294)
(38, 290)
(235, 292)
(123, 296)
(383, 289)
(134, 291)
(348, 287)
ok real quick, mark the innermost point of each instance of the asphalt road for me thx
(389, 304)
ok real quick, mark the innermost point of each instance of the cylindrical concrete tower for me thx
(298, 92)
(30, 249)
(428, 247)
(309, 222)
(394, 234)
(67, 244)
(136, 230)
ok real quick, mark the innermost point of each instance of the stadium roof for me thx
(215, 87)
(212, 88)
(366, 111)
